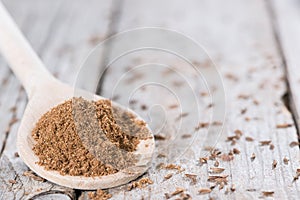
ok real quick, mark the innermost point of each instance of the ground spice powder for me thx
(87, 138)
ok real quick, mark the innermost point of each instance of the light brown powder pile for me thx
(87, 138)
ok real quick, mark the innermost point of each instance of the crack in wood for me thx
(71, 196)
(4, 142)
(115, 16)
(7, 131)
(287, 98)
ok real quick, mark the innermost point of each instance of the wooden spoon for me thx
(44, 92)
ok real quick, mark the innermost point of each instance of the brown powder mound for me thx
(113, 123)
(87, 138)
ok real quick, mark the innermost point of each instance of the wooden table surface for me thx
(255, 46)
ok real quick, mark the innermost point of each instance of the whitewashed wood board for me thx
(287, 22)
(244, 48)
(240, 40)
(62, 32)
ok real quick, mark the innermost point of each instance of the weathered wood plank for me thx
(246, 54)
(239, 37)
(8, 85)
(14, 101)
(62, 32)
(287, 23)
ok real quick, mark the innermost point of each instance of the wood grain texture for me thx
(239, 38)
(287, 23)
(55, 29)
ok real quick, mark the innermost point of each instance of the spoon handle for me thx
(21, 58)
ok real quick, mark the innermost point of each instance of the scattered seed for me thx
(296, 177)
(177, 191)
(217, 164)
(210, 105)
(247, 119)
(184, 136)
(159, 137)
(17, 154)
(232, 188)
(253, 157)
(13, 109)
(231, 138)
(216, 170)
(238, 132)
(160, 165)
(12, 181)
(173, 166)
(33, 176)
(178, 83)
(203, 94)
(268, 193)
(161, 155)
(255, 102)
(216, 123)
(95, 39)
(272, 146)
(208, 148)
(185, 196)
(227, 157)
(218, 179)
(286, 160)
(202, 125)
(182, 115)
(132, 101)
(233, 142)
(192, 177)
(203, 160)
(243, 111)
(274, 164)
(294, 143)
(143, 107)
(205, 191)
(243, 96)
(214, 154)
(283, 125)
(265, 143)
(173, 106)
(249, 139)
(236, 151)
(213, 186)
(227, 191)
(134, 77)
(143, 182)
(221, 185)
(167, 71)
(231, 77)
(168, 176)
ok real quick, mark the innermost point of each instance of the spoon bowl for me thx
(45, 92)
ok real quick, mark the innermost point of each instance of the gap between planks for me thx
(288, 97)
